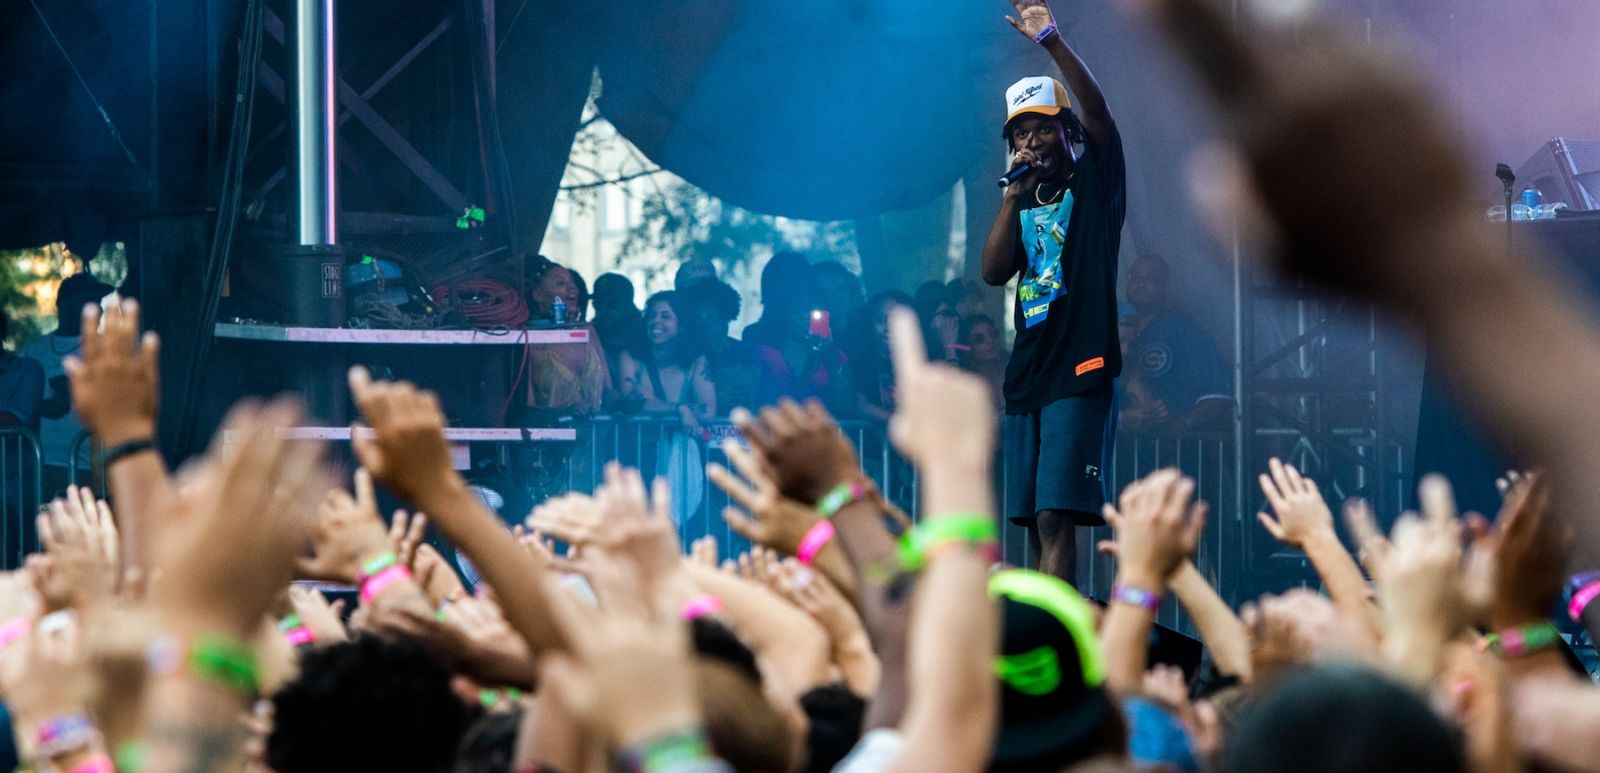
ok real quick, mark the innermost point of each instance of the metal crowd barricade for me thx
(1208, 458)
(21, 481)
(85, 469)
(660, 447)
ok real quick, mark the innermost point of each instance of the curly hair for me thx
(372, 703)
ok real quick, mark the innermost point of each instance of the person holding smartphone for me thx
(799, 359)
(1058, 231)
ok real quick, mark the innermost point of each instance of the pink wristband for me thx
(14, 629)
(378, 582)
(700, 606)
(299, 636)
(1580, 601)
(99, 763)
(812, 543)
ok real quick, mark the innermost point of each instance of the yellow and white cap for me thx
(1036, 94)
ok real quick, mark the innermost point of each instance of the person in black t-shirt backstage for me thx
(1058, 230)
(1177, 378)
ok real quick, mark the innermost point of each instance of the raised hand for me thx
(244, 518)
(436, 576)
(628, 672)
(1529, 548)
(775, 520)
(323, 618)
(703, 552)
(1033, 17)
(1157, 528)
(812, 592)
(42, 676)
(409, 454)
(642, 523)
(1420, 589)
(1305, 522)
(80, 538)
(114, 376)
(349, 531)
(572, 518)
(804, 452)
(18, 599)
(943, 415)
(1303, 515)
(1372, 547)
(406, 534)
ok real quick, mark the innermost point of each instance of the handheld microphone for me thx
(1014, 175)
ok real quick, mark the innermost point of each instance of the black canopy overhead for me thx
(827, 109)
(830, 109)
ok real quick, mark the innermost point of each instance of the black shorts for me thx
(1056, 458)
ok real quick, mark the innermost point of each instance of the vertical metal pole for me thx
(315, 124)
(1244, 422)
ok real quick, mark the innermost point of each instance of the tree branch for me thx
(613, 181)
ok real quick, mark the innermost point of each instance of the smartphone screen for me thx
(820, 327)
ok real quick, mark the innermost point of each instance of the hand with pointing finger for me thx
(944, 415)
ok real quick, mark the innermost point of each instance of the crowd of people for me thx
(163, 630)
(820, 337)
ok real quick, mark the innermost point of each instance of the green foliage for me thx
(28, 279)
(18, 306)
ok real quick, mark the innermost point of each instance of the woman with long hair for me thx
(668, 376)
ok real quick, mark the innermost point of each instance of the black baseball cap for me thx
(1053, 701)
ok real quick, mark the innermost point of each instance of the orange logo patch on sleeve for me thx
(1088, 365)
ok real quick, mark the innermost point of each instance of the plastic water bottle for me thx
(558, 312)
(1532, 197)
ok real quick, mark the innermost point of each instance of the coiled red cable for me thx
(484, 303)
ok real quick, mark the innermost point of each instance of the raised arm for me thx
(114, 392)
(1220, 629)
(411, 457)
(1036, 23)
(1305, 522)
(945, 425)
(1158, 527)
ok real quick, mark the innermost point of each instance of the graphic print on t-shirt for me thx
(1044, 231)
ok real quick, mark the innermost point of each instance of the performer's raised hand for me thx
(1032, 19)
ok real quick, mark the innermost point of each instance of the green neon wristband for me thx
(129, 756)
(375, 565)
(667, 751)
(223, 661)
(842, 495)
(1524, 640)
(289, 622)
(967, 528)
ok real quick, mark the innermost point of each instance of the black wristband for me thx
(120, 451)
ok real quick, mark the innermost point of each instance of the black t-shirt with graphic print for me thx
(1066, 309)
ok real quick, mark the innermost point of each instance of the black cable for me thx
(499, 171)
(227, 218)
(111, 126)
